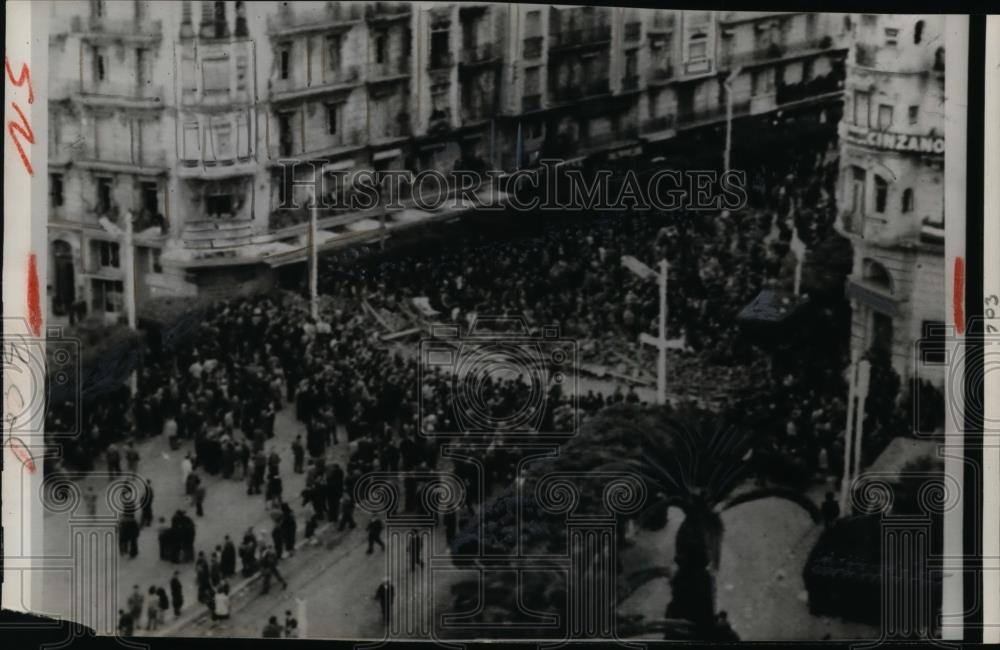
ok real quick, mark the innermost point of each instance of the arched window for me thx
(881, 194)
(875, 273)
(918, 31)
(907, 200)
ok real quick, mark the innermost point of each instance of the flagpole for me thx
(845, 475)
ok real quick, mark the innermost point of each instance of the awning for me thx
(338, 166)
(387, 154)
(771, 307)
(868, 295)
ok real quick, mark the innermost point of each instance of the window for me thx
(285, 138)
(192, 148)
(333, 53)
(881, 194)
(189, 76)
(285, 60)
(55, 190)
(440, 49)
(103, 195)
(108, 255)
(858, 177)
(631, 63)
(891, 36)
(241, 72)
(219, 199)
(862, 104)
(912, 114)
(107, 295)
(535, 129)
(100, 65)
(333, 119)
(762, 81)
(222, 135)
(697, 50)
(918, 31)
(884, 116)
(533, 24)
(150, 197)
(907, 200)
(215, 74)
(154, 260)
(532, 77)
(380, 48)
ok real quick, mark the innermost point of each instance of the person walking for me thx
(90, 501)
(830, 510)
(199, 499)
(228, 561)
(385, 594)
(135, 603)
(152, 610)
(346, 513)
(163, 601)
(334, 491)
(288, 527)
(132, 457)
(187, 466)
(291, 625)
(147, 505)
(298, 454)
(269, 568)
(114, 460)
(375, 527)
(176, 593)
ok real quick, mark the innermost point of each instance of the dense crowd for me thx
(252, 357)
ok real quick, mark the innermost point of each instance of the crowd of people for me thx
(252, 357)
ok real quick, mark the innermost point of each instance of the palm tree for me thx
(702, 463)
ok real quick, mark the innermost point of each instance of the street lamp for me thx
(728, 84)
(660, 343)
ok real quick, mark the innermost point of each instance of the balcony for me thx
(662, 24)
(662, 74)
(393, 130)
(610, 140)
(788, 93)
(697, 117)
(657, 124)
(331, 146)
(149, 163)
(121, 93)
(776, 52)
(482, 54)
(533, 47)
(388, 71)
(387, 11)
(531, 102)
(107, 29)
(440, 61)
(291, 20)
(226, 166)
(579, 91)
(574, 38)
(440, 120)
(288, 89)
(630, 82)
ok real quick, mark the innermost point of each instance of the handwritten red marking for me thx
(958, 296)
(22, 453)
(25, 130)
(34, 302)
(25, 76)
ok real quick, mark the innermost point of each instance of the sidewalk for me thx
(228, 511)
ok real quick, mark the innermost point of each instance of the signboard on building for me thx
(902, 142)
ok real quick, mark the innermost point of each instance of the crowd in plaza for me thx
(252, 357)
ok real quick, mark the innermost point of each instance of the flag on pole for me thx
(637, 267)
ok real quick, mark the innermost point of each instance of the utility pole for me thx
(130, 288)
(661, 343)
(728, 83)
(313, 264)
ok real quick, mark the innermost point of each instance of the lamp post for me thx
(313, 264)
(661, 343)
(728, 84)
(130, 289)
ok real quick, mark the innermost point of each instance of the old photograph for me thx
(469, 320)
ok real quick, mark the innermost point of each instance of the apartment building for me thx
(219, 125)
(892, 189)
